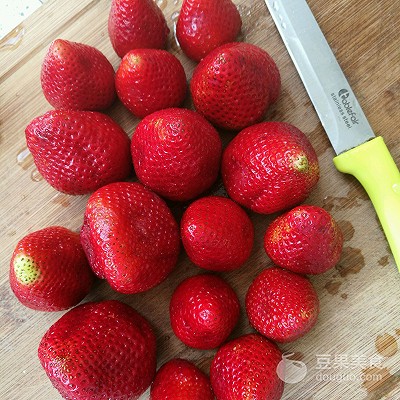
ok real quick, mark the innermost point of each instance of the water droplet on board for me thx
(378, 381)
(24, 158)
(175, 43)
(333, 287)
(386, 345)
(61, 199)
(13, 39)
(275, 5)
(36, 176)
(347, 229)
(174, 16)
(383, 261)
(351, 262)
(162, 4)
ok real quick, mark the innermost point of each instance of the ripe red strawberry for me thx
(245, 368)
(103, 350)
(234, 85)
(204, 309)
(176, 153)
(136, 24)
(306, 240)
(282, 305)
(180, 380)
(204, 25)
(76, 76)
(217, 234)
(78, 151)
(149, 80)
(49, 270)
(130, 237)
(269, 167)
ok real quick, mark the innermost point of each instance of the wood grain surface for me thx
(358, 333)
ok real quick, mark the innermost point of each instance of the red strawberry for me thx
(245, 368)
(76, 76)
(306, 240)
(136, 24)
(282, 305)
(203, 311)
(180, 380)
(234, 85)
(269, 167)
(78, 151)
(130, 237)
(103, 350)
(176, 153)
(217, 234)
(204, 25)
(49, 270)
(149, 80)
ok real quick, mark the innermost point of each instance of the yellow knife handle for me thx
(373, 166)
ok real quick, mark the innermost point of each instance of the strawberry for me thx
(245, 368)
(282, 305)
(176, 153)
(269, 167)
(234, 85)
(180, 380)
(130, 237)
(78, 151)
(306, 240)
(136, 24)
(217, 234)
(49, 270)
(204, 309)
(102, 350)
(76, 76)
(148, 80)
(204, 25)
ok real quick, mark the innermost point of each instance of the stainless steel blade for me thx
(330, 93)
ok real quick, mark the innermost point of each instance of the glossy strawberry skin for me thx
(179, 379)
(103, 350)
(136, 24)
(282, 305)
(76, 76)
(49, 270)
(204, 25)
(306, 240)
(270, 167)
(217, 234)
(234, 85)
(245, 368)
(176, 153)
(78, 151)
(149, 80)
(130, 237)
(204, 309)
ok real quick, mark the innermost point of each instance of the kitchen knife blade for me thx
(360, 153)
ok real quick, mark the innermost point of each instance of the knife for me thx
(359, 152)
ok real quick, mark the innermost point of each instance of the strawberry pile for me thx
(130, 237)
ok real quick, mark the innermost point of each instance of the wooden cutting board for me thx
(353, 351)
